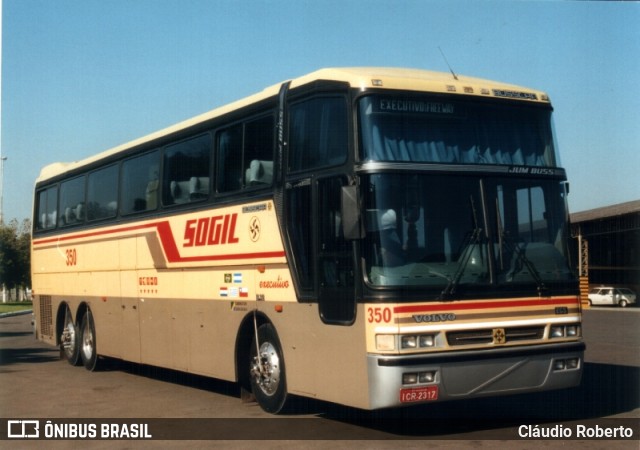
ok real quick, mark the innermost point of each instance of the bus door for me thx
(336, 272)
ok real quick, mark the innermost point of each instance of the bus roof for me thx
(362, 77)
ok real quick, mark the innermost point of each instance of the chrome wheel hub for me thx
(265, 369)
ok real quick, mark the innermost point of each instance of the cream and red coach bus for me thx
(368, 236)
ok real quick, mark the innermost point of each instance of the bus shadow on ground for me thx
(605, 390)
(171, 376)
(9, 356)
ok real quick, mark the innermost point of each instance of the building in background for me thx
(612, 247)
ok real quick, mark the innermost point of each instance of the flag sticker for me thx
(237, 277)
(224, 292)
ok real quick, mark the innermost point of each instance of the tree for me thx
(15, 262)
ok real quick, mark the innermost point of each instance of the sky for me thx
(82, 76)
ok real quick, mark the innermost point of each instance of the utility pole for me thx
(2, 158)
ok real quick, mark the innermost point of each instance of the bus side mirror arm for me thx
(351, 218)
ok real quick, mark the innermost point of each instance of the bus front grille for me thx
(486, 336)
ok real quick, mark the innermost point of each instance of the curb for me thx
(16, 313)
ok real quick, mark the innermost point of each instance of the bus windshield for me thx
(452, 233)
(438, 130)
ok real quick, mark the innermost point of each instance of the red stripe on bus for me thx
(484, 305)
(96, 233)
(167, 241)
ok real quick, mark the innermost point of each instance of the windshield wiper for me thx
(504, 240)
(448, 292)
(474, 238)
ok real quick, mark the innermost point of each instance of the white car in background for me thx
(606, 295)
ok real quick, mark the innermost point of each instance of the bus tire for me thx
(267, 374)
(70, 340)
(88, 351)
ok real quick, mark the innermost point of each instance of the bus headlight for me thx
(417, 341)
(573, 363)
(427, 340)
(427, 377)
(566, 364)
(573, 330)
(409, 342)
(419, 378)
(560, 331)
(557, 331)
(559, 364)
(409, 378)
(388, 342)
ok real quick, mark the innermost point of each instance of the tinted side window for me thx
(245, 155)
(258, 152)
(318, 133)
(102, 193)
(299, 226)
(72, 205)
(140, 183)
(186, 171)
(229, 163)
(47, 208)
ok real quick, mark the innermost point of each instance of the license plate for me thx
(421, 394)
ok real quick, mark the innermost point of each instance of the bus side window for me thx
(229, 159)
(258, 152)
(186, 171)
(245, 155)
(318, 133)
(299, 227)
(47, 208)
(102, 193)
(139, 183)
(72, 209)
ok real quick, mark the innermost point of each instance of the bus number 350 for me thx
(377, 315)
(72, 257)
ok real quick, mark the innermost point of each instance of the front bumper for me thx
(469, 374)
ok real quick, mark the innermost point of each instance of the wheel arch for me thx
(60, 317)
(81, 311)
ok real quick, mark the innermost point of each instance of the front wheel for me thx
(88, 351)
(623, 303)
(266, 370)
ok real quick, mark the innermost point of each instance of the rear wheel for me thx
(88, 342)
(70, 340)
(266, 370)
